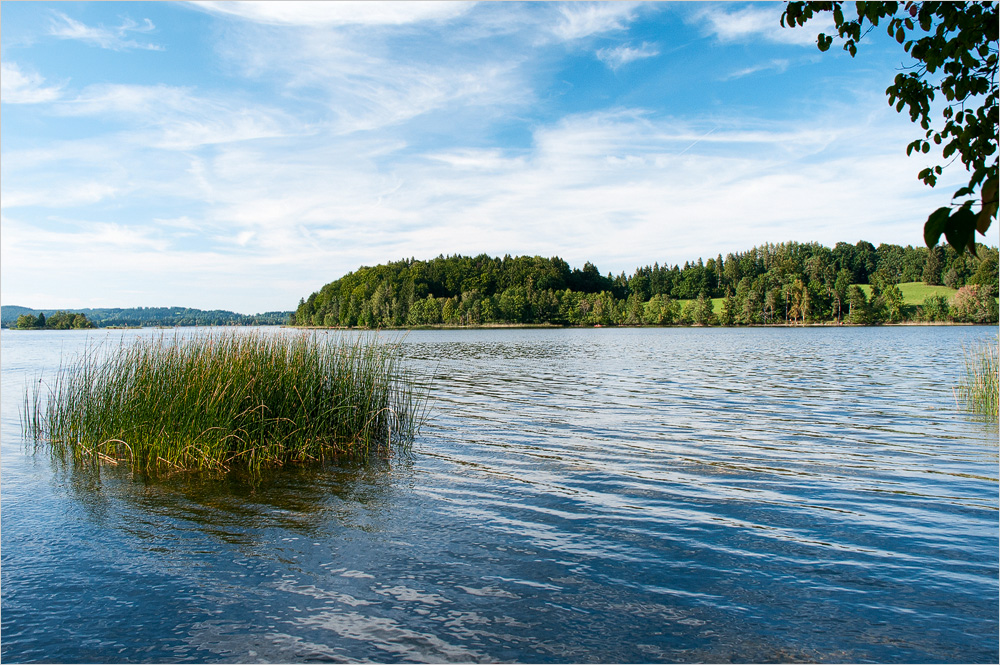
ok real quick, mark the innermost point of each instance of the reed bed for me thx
(981, 388)
(216, 402)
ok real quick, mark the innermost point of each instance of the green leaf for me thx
(989, 211)
(935, 225)
(960, 230)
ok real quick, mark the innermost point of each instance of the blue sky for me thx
(241, 155)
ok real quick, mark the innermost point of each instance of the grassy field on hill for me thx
(914, 294)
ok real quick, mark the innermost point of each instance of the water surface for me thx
(604, 495)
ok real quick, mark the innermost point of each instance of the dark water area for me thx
(648, 495)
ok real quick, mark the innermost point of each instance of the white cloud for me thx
(346, 12)
(758, 21)
(369, 85)
(577, 20)
(180, 119)
(622, 55)
(19, 87)
(140, 100)
(77, 244)
(478, 160)
(58, 195)
(778, 65)
(114, 39)
(400, 93)
(113, 265)
(619, 189)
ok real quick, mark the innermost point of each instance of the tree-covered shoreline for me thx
(138, 317)
(787, 284)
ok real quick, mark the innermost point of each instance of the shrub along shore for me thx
(233, 400)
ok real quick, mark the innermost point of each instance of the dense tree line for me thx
(774, 283)
(57, 321)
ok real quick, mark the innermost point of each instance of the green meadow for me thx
(914, 294)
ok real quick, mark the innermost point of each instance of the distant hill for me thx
(153, 316)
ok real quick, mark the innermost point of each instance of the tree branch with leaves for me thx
(954, 46)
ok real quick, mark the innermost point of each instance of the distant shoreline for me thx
(552, 326)
(525, 326)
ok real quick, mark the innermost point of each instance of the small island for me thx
(57, 321)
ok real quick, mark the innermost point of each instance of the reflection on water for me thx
(295, 499)
(578, 496)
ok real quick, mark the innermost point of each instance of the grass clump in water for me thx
(981, 388)
(217, 402)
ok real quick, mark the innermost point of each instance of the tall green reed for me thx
(215, 402)
(980, 389)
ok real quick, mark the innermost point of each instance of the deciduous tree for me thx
(954, 48)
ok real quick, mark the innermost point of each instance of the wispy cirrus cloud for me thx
(622, 55)
(777, 65)
(114, 39)
(347, 12)
(89, 235)
(578, 20)
(754, 22)
(24, 87)
(60, 195)
(380, 81)
(379, 97)
(587, 187)
(180, 118)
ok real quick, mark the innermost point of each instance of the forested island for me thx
(57, 321)
(787, 283)
(137, 317)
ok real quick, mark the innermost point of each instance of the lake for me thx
(598, 495)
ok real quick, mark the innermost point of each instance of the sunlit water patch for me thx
(605, 495)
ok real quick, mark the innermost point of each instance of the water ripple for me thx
(578, 496)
